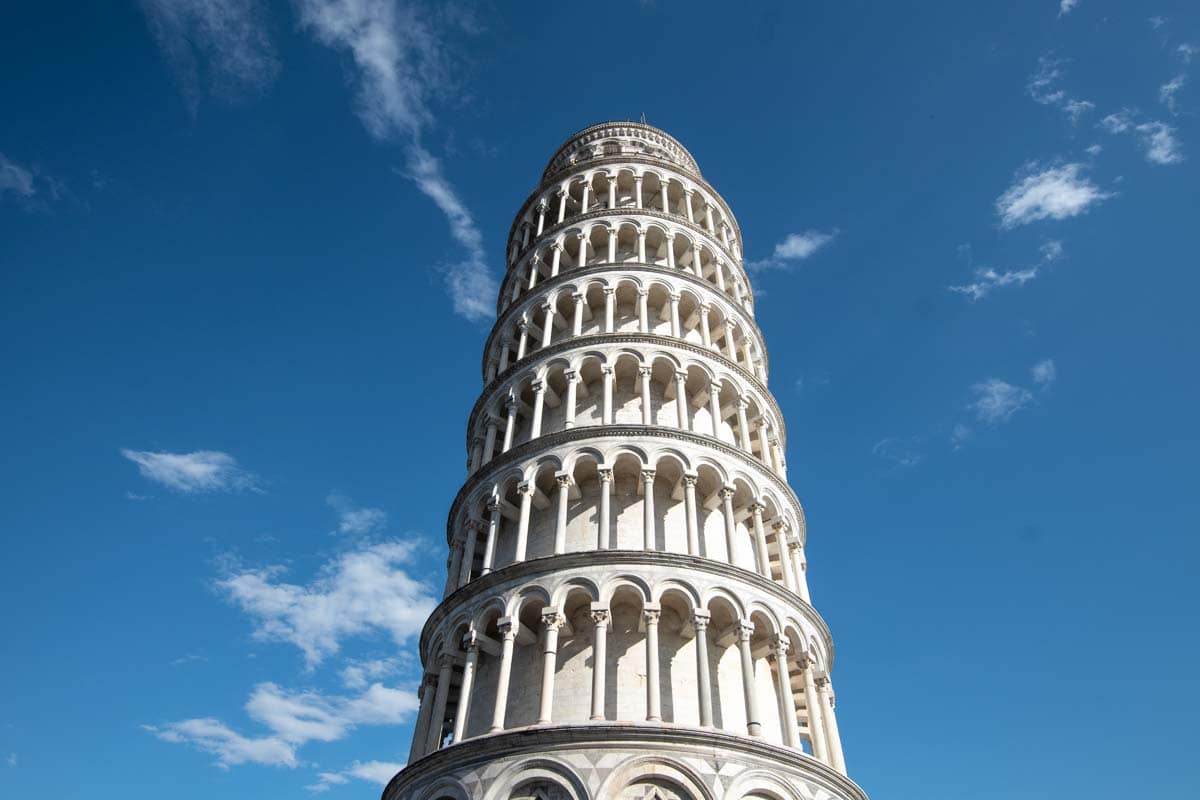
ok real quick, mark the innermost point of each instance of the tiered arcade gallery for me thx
(626, 609)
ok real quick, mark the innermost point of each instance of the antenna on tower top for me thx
(643, 117)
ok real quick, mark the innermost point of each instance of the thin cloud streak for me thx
(399, 64)
(194, 473)
(796, 247)
(1051, 193)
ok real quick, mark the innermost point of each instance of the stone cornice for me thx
(746, 320)
(541, 444)
(652, 737)
(586, 342)
(613, 127)
(607, 160)
(628, 211)
(569, 563)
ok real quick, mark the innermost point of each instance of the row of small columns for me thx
(482, 451)
(822, 726)
(664, 201)
(552, 319)
(581, 256)
(791, 555)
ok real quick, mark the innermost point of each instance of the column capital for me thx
(563, 479)
(643, 292)
(605, 474)
(507, 628)
(727, 492)
(823, 685)
(675, 296)
(606, 370)
(538, 386)
(493, 504)
(429, 679)
(647, 476)
(553, 620)
(445, 660)
(780, 526)
(757, 507)
(637, 178)
(690, 479)
(560, 192)
(571, 375)
(700, 619)
(705, 308)
(578, 296)
(780, 647)
(651, 615)
(510, 405)
(470, 642)
(526, 487)
(557, 246)
(744, 629)
(523, 325)
(743, 403)
(582, 236)
(600, 616)
(610, 290)
(542, 205)
(546, 306)
(645, 371)
(680, 375)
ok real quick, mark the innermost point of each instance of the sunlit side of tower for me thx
(626, 613)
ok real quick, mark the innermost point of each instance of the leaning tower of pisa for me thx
(626, 611)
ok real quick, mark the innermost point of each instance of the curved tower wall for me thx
(626, 611)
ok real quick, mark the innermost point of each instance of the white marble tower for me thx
(626, 611)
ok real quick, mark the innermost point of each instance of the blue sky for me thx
(248, 252)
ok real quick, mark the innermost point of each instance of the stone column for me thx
(666, 203)
(523, 338)
(587, 189)
(547, 324)
(489, 547)
(612, 191)
(730, 341)
(643, 310)
(801, 568)
(542, 205)
(760, 541)
(612, 245)
(610, 302)
(785, 561)
(599, 659)
(676, 330)
(505, 347)
(606, 476)
(637, 191)
(560, 529)
(687, 198)
(704, 679)
(641, 246)
(744, 630)
(471, 645)
(714, 408)
(606, 416)
(705, 331)
(489, 442)
(681, 404)
(424, 714)
(551, 622)
(581, 256)
(535, 270)
(468, 557)
(526, 490)
(452, 567)
(476, 454)
(433, 740)
(653, 696)
(708, 219)
(743, 423)
(647, 411)
(671, 251)
(783, 687)
(510, 423)
(508, 632)
(693, 525)
(539, 402)
(556, 259)
(816, 720)
(648, 509)
(562, 205)
(572, 387)
(833, 739)
(727, 493)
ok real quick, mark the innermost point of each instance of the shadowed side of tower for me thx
(626, 612)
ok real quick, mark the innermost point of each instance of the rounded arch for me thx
(759, 784)
(655, 772)
(528, 775)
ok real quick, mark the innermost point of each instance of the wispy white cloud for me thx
(230, 747)
(1066, 6)
(359, 673)
(1094, 150)
(376, 772)
(1187, 52)
(1168, 91)
(218, 46)
(1156, 22)
(364, 590)
(353, 519)
(996, 401)
(795, 248)
(1159, 144)
(1043, 87)
(11, 759)
(899, 452)
(292, 718)
(15, 178)
(1044, 372)
(988, 279)
(192, 473)
(399, 60)
(959, 436)
(1050, 193)
(1157, 139)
